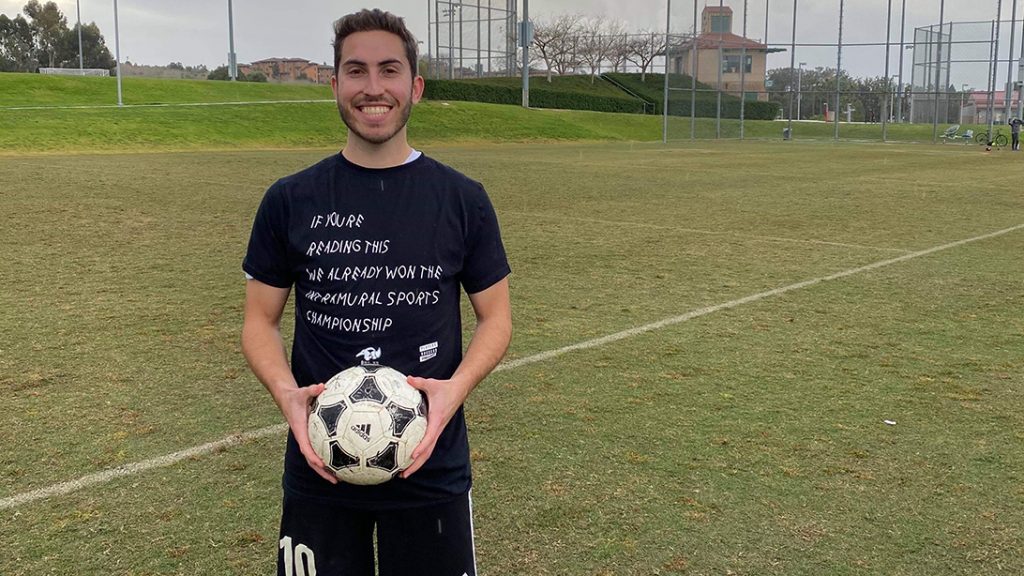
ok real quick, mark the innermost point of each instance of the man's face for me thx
(374, 86)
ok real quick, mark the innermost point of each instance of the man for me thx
(376, 241)
(1015, 124)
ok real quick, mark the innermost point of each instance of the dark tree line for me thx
(42, 39)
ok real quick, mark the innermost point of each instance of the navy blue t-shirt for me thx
(375, 259)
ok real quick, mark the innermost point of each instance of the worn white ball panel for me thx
(366, 424)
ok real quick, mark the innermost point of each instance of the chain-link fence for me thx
(867, 75)
(471, 39)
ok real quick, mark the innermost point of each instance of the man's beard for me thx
(346, 117)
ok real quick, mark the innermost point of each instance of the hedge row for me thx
(539, 97)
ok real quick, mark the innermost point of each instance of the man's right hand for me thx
(296, 405)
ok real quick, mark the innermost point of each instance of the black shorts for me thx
(332, 540)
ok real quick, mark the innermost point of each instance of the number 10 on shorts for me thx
(298, 561)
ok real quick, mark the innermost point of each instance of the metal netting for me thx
(471, 39)
(868, 71)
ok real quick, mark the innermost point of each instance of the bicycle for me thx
(998, 140)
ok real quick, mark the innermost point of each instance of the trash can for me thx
(785, 133)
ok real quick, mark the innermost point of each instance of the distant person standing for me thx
(1015, 125)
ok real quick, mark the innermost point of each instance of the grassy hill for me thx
(316, 124)
(45, 90)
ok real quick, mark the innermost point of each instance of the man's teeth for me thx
(375, 110)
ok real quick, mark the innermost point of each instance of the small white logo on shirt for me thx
(369, 354)
(428, 351)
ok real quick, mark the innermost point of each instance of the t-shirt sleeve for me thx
(266, 259)
(486, 262)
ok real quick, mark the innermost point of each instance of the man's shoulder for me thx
(310, 173)
(440, 172)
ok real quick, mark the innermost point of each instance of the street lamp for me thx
(799, 79)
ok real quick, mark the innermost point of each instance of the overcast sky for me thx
(196, 31)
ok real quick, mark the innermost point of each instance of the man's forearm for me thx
(486, 349)
(264, 351)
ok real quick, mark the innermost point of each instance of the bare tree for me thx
(553, 42)
(618, 51)
(598, 42)
(643, 48)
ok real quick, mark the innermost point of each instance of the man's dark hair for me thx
(372, 21)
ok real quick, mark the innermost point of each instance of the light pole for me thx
(232, 60)
(799, 87)
(81, 60)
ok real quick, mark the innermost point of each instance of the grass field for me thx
(772, 306)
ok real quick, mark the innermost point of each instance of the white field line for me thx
(130, 469)
(700, 231)
(170, 105)
(170, 459)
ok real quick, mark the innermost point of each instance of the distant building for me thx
(737, 54)
(290, 70)
(975, 108)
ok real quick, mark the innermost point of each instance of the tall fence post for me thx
(664, 106)
(792, 65)
(839, 71)
(888, 83)
(938, 71)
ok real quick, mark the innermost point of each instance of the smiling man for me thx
(377, 244)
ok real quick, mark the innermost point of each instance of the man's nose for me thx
(374, 85)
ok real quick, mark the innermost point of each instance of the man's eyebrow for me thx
(389, 61)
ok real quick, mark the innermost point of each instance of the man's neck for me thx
(392, 153)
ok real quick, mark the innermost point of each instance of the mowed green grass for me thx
(749, 440)
(20, 90)
(182, 115)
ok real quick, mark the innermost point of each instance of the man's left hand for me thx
(444, 397)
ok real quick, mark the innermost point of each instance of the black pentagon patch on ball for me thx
(371, 368)
(421, 409)
(340, 458)
(401, 417)
(329, 415)
(387, 459)
(368, 390)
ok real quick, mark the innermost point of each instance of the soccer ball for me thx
(366, 423)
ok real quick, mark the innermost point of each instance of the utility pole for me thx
(232, 61)
(81, 59)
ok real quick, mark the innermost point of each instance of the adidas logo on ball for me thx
(363, 430)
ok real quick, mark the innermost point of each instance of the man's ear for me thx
(418, 84)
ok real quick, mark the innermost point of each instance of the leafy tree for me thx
(94, 49)
(17, 48)
(221, 73)
(256, 76)
(48, 27)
